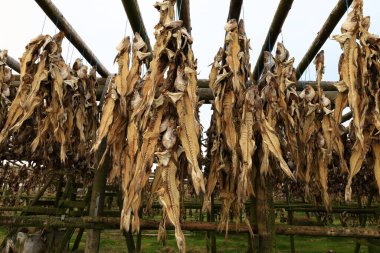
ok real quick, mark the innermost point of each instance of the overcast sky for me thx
(102, 25)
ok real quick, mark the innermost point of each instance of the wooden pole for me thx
(204, 84)
(265, 213)
(363, 219)
(323, 35)
(98, 188)
(39, 194)
(97, 202)
(211, 238)
(88, 222)
(290, 219)
(274, 30)
(183, 7)
(346, 117)
(63, 25)
(132, 10)
(12, 63)
(235, 9)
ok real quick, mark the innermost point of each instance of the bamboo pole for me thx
(63, 25)
(327, 28)
(132, 10)
(274, 30)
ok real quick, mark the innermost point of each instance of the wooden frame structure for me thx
(95, 218)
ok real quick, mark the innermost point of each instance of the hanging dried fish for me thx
(359, 73)
(231, 135)
(6, 78)
(154, 117)
(54, 111)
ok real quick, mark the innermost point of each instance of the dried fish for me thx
(359, 71)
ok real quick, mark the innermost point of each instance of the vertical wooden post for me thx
(211, 239)
(363, 218)
(139, 236)
(97, 203)
(98, 186)
(128, 235)
(290, 220)
(265, 213)
(253, 243)
(81, 231)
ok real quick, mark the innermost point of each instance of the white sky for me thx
(101, 24)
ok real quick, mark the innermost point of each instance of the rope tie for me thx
(270, 54)
(43, 25)
(125, 29)
(56, 26)
(68, 48)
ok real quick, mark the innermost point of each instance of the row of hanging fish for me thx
(53, 117)
(258, 129)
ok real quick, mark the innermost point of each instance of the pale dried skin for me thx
(271, 140)
(189, 139)
(53, 118)
(247, 145)
(358, 71)
(5, 82)
(162, 122)
(231, 134)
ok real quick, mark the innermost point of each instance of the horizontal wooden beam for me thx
(274, 30)
(63, 25)
(90, 222)
(323, 35)
(206, 95)
(13, 63)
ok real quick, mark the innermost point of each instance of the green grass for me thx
(113, 241)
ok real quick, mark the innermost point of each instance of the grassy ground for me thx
(113, 241)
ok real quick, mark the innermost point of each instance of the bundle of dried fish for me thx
(167, 115)
(119, 124)
(54, 111)
(319, 137)
(162, 123)
(359, 87)
(231, 135)
(6, 78)
(116, 112)
(304, 123)
(278, 128)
